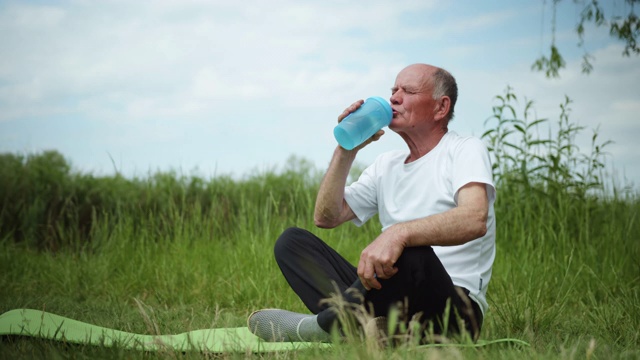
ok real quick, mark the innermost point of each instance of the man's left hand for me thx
(377, 261)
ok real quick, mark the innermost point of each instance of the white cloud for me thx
(164, 52)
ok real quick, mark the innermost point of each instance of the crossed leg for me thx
(316, 272)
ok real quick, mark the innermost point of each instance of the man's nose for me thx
(395, 98)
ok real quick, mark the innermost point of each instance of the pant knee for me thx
(421, 266)
(415, 256)
(286, 241)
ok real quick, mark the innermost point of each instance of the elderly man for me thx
(435, 203)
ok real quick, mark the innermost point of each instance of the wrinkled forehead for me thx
(415, 76)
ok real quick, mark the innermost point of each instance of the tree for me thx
(625, 28)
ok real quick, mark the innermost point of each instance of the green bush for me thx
(47, 205)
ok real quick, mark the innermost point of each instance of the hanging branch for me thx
(623, 28)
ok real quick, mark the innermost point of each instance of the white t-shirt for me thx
(401, 192)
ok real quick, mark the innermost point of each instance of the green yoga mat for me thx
(37, 323)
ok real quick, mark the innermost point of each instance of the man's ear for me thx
(442, 108)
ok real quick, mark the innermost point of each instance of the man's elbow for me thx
(326, 218)
(481, 231)
(480, 225)
(324, 223)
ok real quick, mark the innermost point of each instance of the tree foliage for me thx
(625, 28)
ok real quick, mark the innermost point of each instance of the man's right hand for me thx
(353, 107)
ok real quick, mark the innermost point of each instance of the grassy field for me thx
(197, 253)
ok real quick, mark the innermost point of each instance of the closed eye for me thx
(406, 90)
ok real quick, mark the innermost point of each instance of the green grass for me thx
(568, 286)
(170, 253)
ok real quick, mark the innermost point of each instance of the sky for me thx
(212, 88)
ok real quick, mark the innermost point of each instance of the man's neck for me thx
(420, 145)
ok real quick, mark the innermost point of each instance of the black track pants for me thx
(316, 272)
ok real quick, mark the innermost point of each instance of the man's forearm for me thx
(466, 222)
(454, 227)
(330, 208)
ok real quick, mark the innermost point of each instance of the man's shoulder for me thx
(453, 136)
(453, 140)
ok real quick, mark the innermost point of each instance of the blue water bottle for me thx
(363, 123)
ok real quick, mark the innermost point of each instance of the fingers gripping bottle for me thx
(363, 123)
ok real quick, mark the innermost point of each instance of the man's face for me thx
(411, 99)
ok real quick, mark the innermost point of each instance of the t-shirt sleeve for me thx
(472, 164)
(362, 196)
